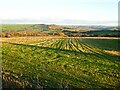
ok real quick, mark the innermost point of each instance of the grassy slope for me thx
(57, 62)
(23, 27)
(51, 31)
(105, 44)
(103, 32)
(36, 28)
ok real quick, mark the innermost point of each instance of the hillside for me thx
(109, 33)
(35, 62)
(11, 30)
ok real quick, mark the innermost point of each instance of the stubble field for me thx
(54, 62)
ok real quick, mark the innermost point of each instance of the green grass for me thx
(58, 63)
(51, 31)
(105, 44)
(103, 32)
(23, 27)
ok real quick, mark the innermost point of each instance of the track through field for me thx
(57, 63)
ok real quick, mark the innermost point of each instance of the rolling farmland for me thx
(54, 62)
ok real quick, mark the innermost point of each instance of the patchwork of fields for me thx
(34, 62)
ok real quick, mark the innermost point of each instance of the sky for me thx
(60, 11)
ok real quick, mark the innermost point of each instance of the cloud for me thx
(59, 21)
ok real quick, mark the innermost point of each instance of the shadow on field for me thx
(49, 78)
(101, 55)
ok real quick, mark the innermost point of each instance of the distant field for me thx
(103, 32)
(23, 27)
(105, 44)
(19, 30)
(34, 62)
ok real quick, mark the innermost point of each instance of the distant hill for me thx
(68, 30)
(22, 27)
(53, 26)
(102, 33)
(93, 27)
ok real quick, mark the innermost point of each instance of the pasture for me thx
(54, 62)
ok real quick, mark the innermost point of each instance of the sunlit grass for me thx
(57, 62)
